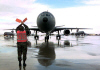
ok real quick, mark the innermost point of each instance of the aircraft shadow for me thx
(46, 54)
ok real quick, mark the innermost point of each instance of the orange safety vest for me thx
(21, 36)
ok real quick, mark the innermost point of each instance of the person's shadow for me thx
(20, 67)
(24, 67)
(46, 54)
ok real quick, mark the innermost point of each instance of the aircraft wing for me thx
(59, 28)
(35, 29)
(9, 29)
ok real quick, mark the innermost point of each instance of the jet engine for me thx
(66, 32)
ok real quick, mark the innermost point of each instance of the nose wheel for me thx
(46, 38)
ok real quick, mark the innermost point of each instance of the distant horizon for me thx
(52, 33)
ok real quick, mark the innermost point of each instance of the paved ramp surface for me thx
(69, 53)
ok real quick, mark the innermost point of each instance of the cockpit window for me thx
(42, 14)
(47, 15)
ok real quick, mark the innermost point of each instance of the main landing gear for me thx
(36, 37)
(58, 37)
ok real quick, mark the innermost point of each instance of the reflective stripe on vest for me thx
(21, 36)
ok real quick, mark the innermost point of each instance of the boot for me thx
(19, 63)
(24, 64)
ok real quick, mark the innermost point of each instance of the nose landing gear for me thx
(46, 38)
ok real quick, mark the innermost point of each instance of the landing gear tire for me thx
(36, 37)
(83, 34)
(46, 38)
(58, 37)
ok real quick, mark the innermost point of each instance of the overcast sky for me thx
(71, 13)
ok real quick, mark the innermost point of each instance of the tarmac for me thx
(69, 53)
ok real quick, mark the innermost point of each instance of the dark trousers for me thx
(22, 50)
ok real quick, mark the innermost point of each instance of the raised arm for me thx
(27, 29)
(18, 28)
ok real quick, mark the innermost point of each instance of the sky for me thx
(71, 13)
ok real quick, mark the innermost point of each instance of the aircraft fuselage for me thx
(80, 33)
(46, 22)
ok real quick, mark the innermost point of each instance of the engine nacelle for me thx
(66, 32)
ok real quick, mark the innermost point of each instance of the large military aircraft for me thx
(80, 33)
(46, 24)
(9, 34)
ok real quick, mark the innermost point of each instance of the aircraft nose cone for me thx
(45, 19)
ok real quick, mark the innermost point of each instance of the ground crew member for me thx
(22, 33)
